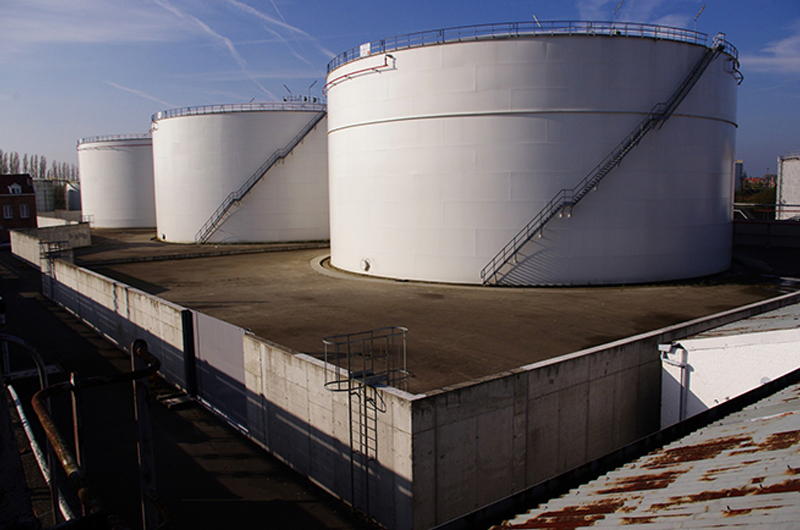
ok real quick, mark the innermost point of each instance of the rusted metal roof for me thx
(741, 471)
(779, 319)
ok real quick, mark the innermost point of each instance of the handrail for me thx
(89, 501)
(569, 197)
(237, 107)
(210, 226)
(114, 138)
(523, 29)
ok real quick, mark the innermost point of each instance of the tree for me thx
(25, 163)
(13, 162)
(42, 166)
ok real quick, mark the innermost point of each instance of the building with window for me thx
(18, 202)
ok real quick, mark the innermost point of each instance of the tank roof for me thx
(268, 106)
(536, 28)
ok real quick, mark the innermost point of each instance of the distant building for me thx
(787, 197)
(18, 202)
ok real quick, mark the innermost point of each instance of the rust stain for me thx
(780, 440)
(756, 480)
(787, 486)
(637, 520)
(692, 453)
(643, 482)
(571, 517)
(782, 487)
(792, 470)
(734, 513)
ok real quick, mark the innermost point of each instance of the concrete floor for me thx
(456, 333)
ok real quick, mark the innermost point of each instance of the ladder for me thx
(566, 199)
(221, 213)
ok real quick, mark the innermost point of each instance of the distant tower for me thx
(738, 171)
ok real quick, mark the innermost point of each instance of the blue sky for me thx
(71, 69)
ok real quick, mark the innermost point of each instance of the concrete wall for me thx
(778, 234)
(293, 415)
(25, 243)
(482, 441)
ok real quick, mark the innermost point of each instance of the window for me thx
(24, 211)
(15, 189)
(8, 211)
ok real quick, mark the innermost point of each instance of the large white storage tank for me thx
(443, 145)
(116, 176)
(206, 158)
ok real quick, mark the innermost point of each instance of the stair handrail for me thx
(211, 225)
(569, 197)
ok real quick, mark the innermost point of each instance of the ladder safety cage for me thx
(567, 198)
(366, 358)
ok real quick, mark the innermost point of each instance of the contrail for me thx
(139, 93)
(225, 41)
(252, 11)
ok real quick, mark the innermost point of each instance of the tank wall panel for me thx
(201, 159)
(117, 188)
(439, 159)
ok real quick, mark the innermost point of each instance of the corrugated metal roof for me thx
(785, 318)
(743, 470)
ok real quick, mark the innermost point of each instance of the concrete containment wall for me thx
(293, 415)
(26, 243)
(121, 314)
(479, 442)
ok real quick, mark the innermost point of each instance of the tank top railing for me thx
(566, 199)
(523, 29)
(234, 197)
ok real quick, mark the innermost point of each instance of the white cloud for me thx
(80, 21)
(782, 56)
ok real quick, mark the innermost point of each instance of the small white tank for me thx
(116, 177)
(205, 156)
(443, 145)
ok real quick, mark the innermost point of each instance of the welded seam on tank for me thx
(519, 113)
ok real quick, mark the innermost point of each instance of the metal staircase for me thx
(220, 214)
(566, 199)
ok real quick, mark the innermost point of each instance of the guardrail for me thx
(238, 107)
(523, 29)
(114, 138)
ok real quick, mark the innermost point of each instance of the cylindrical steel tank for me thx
(205, 158)
(116, 176)
(443, 145)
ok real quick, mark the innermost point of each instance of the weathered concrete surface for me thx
(207, 474)
(456, 333)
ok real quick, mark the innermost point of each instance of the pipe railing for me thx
(523, 29)
(114, 138)
(90, 503)
(238, 107)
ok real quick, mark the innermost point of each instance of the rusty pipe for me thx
(89, 501)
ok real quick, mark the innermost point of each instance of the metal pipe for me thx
(89, 501)
(66, 511)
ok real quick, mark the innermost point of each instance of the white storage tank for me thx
(208, 163)
(788, 183)
(116, 178)
(444, 145)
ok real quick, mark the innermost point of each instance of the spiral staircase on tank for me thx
(221, 213)
(566, 199)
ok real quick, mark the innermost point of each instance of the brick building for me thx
(17, 202)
